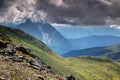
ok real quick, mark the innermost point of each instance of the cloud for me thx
(18, 11)
(75, 12)
(60, 25)
(4, 5)
(87, 12)
(115, 26)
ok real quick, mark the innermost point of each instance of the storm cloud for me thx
(76, 12)
(17, 11)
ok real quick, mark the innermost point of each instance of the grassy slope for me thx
(112, 52)
(115, 52)
(82, 68)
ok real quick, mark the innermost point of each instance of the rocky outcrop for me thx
(71, 77)
(16, 56)
(2, 45)
(23, 50)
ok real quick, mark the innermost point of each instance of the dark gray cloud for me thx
(4, 5)
(59, 11)
(95, 12)
(81, 11)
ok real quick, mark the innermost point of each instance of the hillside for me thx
(83, 68)
(112, 52)
(115, 52)
(97, 51)
(18, 63)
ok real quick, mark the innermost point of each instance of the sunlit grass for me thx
(83, 68)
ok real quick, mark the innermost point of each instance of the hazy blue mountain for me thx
(95, 41)
(12, 25)
(80, 67)
(48, 34)
(98, 51)
(112, 52)
(74, 32)
(54, 40)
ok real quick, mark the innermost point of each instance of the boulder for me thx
(40, 77)
(2, 45)
(23, 50)
(35, 64)
(2, 78)
(10, 50)
(16, 59)
(71, 77)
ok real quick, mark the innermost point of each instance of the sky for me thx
(73, 12)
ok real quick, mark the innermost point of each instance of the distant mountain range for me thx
(75, 32)
(112, 52)
(47, 34)
(95, 41)
(98, 51)
(58, 43)
(83, 68)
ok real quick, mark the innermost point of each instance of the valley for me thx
(83, 68)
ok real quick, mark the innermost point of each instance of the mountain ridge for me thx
(111, 52)
(46, 33)
(95, 41)
(83, 68)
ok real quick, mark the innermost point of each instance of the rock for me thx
(40, 77)
(10, 50)
(35, 67)
(4, 38)
(71, 77)
(35, 64)
(2, 78)
(8, 41)
(47, 69)
(2, 52)
(16, 59)
(21, 57)
(23, 50)
(62, 78)
(2, 45)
